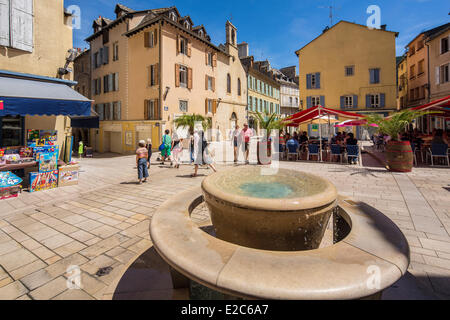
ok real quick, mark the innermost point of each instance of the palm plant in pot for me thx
(190, 121)
(268, 123)
(399, 154)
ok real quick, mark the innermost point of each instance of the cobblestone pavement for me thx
(104, 222)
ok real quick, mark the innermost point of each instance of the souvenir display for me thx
(48, 162)
(68, 175)
(43, 181)
(10, 192)
(9, 185)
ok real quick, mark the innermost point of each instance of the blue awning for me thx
(33, 97)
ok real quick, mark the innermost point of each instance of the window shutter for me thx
(309, 102)
(368, 104)
(438, 76)
(342, 102)
(189, 49)
(206, 57)
(215, 60)
(157, 109)
(214, 84)
(155, 38)
(318, 80)
(105, 55)
(4, 23)
(214, 106)
(110, 82)
(157, 74)
(146, 103)
(100, 57)
(189, 78)
(308, 81)
(177, 75)
(146, 39)
(178, 44)
(322, 101)
(355, 102)
(22, 25)
(116, 81)
(206, 106)
(382, 100)
(206, 82)
(119, 110)
(372, 76)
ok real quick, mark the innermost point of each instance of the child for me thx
(141, 161)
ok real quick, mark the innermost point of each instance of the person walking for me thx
(177, 149)
(150, 152)
(236, 137)
(201, 154)
(247, 134)
(142, 162)
(166, 153)
(80, 149)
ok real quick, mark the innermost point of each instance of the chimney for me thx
(243, 50)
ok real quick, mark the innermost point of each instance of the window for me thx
(315, 101)
(239, 87)
(95, 60)
(412, 50)
(200, 33)
(313, 81)
(173, 16)
(421, 67)
(183, 106)
(444, 45)
(411, 95)
(105, 36)
(150, 39)
(271, 107)
(97, 86)
(210, 59)
(106, 84)
(99, 108)
(183, 76)
(228, 83)
(348, 102)
(115, 51)
(187, 25)
(420, 45)
(374, 101)
(115, 81)
(374, 76)
(152, 110)
(209, 83)
(296, 102)
(349, 71)
(290, 101)
(444, 73)
(250, 103)
(183, 46)
(16, 24)
(108, 112)
(412, 72)
(210, 106)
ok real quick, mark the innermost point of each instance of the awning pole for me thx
(320, 136)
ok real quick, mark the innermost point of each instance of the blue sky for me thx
(276, 29)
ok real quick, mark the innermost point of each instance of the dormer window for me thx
(187, 25)
(200, 33)
(173, 16)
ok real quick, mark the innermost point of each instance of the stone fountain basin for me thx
(375, 247)
(291, 213)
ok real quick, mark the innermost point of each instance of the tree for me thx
(189, 121)
(269, 122)
(396, 124)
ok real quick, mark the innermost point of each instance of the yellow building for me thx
(349, 67)
(35, 51)
(151, 67)
(263, 87)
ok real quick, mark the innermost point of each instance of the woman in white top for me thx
(201, 155)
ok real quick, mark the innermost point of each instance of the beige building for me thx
(402, 83)
(151, 67)
(35, 37)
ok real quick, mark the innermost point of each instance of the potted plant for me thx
(190, 120)
(399, 154)
(267, 122)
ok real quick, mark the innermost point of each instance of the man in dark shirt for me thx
(351, 141)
